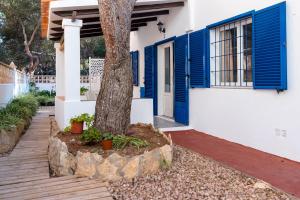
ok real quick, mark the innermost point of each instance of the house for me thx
(227, 69)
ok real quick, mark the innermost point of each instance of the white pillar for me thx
(59, 70)
(72, 59)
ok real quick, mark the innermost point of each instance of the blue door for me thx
(181, 97)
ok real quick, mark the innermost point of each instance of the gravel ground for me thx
(193, 176)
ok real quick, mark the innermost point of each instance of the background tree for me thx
(19, 31)
(113, 105)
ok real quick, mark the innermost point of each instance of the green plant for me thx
(91, 135)
(19, 111)
(83, 118)
(67, 129)
(42, 100)
(108, 136)
(83, 90)
(27, 101)
(121, 141)
(7, 120)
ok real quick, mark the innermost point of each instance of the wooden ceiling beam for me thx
(159, 6)
(96, 20)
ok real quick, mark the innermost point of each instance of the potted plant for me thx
(77, 124)
(107, 141)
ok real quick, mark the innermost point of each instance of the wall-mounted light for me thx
(161, 27)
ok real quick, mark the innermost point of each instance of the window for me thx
(231, 54)
(167, 70)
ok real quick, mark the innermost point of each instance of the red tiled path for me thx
(279, 172)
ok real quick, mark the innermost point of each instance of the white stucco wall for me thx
(260, 119)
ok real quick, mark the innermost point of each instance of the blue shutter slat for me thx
(269, 42)
(149, 72)
(135, 67)
(181, 112)
(198, 58)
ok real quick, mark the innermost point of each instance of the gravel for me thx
(193, 176)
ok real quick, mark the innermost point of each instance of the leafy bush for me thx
(7, 120)
(27, 101)
(42, 100)
(121, 141)
(108, 136)
(91, 135)
(19, 111)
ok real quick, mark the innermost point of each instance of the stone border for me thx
(112, 168)
(9, 138)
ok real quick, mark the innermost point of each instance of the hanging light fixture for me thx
(161, 27)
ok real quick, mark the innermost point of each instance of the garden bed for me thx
(144, 132)
(15, 118)
(68, 155)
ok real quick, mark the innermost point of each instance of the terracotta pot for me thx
(107, 144)
(77, 127)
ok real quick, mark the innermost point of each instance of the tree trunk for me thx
(113, 105)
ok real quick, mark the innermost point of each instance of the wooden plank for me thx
(41, 191)
(22, 179)
(35, 182)
(58, 193)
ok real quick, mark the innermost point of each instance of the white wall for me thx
(141, 110)
(250, 117)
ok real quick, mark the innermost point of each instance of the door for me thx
(181, 80)
(168, 89)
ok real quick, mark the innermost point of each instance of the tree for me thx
(113, 105)
(19, 30)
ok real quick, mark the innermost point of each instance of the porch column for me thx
(59, 65)
(72, 59)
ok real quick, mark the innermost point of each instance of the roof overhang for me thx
(54, 11)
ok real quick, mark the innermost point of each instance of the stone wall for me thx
(112, 168)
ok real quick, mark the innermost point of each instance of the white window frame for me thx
(215, 64)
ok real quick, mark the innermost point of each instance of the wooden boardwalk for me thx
(24, 173)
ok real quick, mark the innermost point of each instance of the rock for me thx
(150, 162)
(132, 168)
(109, 169)
(86, 163)
(166, 155)
(62, 163)
(261, 185)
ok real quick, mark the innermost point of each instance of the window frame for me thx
(224, 23)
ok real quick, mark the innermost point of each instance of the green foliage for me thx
(83, 90)
(8, 120)
(108, 136)
(91, 135)
(121, 141)
(19, 111)
(27, 101)
(21, 108)
(67, 129)
(83, 118)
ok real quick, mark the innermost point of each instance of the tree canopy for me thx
(17, 13)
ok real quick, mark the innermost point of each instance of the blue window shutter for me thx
(269, 41)
(135, 67)
(181, 111)
(149, 71)
(199, 59)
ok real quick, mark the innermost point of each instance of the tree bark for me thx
(113, 105)
(33, 60)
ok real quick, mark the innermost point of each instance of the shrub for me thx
(7, 120)
(18, 111)
(27, 101)
(91, 135)
(42, 100)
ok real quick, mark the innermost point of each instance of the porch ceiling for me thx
(145, 11)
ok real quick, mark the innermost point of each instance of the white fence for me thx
(12, 83)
